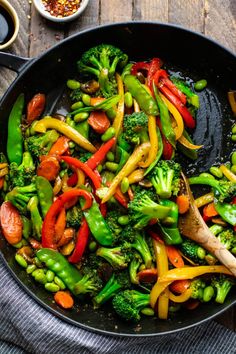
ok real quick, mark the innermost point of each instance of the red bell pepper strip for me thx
(160, 74)
(72, 180)
(100, 154)
(183, 110)
(167, 149)
(48, 228)
(154, 67)
(155, 236)
(171, 86)
(84, 167)
(81, 243)
(139, 66)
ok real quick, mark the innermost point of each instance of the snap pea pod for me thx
(27, 227)
(14, 138)
(35, 217)
(58, 264)
(227, 212)
(45, 194)
(142, 96)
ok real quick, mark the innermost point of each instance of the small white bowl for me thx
(43, 12)
(11, 11)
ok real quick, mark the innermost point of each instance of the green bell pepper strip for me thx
(35, 217)
(171, 234)
(15, 138)
(83, 129)
(159, 153)
(27, 227)
(45, 193)
(166, 125)
(123, 155)
(142, 96)
(98, 225)
(227, 212)
(193, 99)
(58, 264)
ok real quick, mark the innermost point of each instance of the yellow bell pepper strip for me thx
(187, 144)
(204, 200)
(162, 267)
(53, 123)
(177, 116)
(81, 178)
(118, 121)
(192, 272)
(182, 297)
(156, 291)
(232, 101)
(227, 173)
(136, 176)
(152, 131)
(136, 106)
(139, 153)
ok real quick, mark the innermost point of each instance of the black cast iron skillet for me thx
(183, 51)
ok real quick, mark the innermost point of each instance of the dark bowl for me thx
(183, 51)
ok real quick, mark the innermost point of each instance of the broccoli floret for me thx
(36, 219)
(22, 175)
(20, 196)
(142, 209)
(192, 250)
(76, 95)
(128, 303)
(85, 156)
(136, 128)
(118, 257)
(165, 178)
(89, 283)
(112, 222)
(197, 286)
(222, 284)
(136, 240)
(133, 268)
(227, 238)
(41, 144)
(101, 61)
(74, 216)
(114, 284)
(222, 189)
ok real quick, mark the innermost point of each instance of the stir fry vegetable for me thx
(91, 204)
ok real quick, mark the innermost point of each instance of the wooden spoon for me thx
(192, 225)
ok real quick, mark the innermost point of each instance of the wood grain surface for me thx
(214, 18)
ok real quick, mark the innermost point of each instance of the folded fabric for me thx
(26, 327)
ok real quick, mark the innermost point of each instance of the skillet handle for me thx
(13, 62)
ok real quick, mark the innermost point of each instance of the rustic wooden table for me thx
(214, 18)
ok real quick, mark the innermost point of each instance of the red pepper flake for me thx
(61, 8)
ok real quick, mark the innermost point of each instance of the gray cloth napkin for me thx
(26, 327)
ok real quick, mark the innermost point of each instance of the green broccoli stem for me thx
(216, 229)
(140, 245)
(35, 217)
(171, 233)
(107, 292)
(85, 285)
(20, 196)
(105, 84)
(133, 269)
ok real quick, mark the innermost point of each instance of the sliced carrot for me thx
(11, 223)
(147, 275)
(96, 100)
(60, 146)
(209, 210)
(183, 203)
(48, 168)
(60, 225)
(174, 257)
(64, 299)
(34, 243)
(67, 236)
(35, 107)
(1, 182)
(99, 121)
(130, 194)
(180, 286)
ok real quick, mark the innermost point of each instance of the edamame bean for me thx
(80, 117)
(215, 171)
(77, 105)
(59, 282)
(62, 173)
(36, 272)
(233, 137)
(99, 168)
(200, 85)
(92, 246)
(52, 287)
(109, 133)
(233, 158)
(111, 166)
(73, 84)
(234, 129)
(71, 144)
(128, 100)
(40, 278)
(20, 244)
(30, 268)
(208, 293)
(233, 169)
(110, 156)
(124, 185)
(21, 261)
(207, 175)
(111, 113)
(86, 99)
(50, 276)
(147, 311)
(123, 220)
